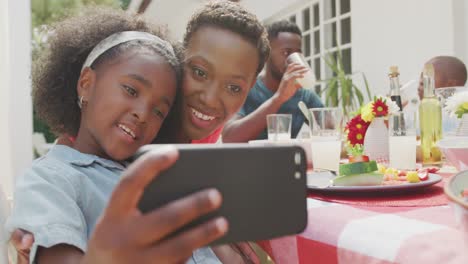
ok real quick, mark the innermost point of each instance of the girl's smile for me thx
(127, 100)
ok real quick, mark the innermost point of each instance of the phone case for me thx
(263, 187)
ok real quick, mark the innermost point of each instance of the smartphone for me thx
(263, 187)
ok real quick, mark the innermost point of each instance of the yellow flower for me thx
(464, 106)
(367, 113)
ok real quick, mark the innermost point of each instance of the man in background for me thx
(276, 89)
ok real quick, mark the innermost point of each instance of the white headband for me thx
(121, 37)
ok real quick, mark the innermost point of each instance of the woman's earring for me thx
(80, 102)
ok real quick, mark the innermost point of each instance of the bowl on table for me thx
(457, 191)
(455, 150)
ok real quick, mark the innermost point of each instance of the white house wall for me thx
(460, 21)
(15, 96)
(265, 9)
(175, 14)
(399, 32)
(5, 153)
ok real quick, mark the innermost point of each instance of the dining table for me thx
(413, 226)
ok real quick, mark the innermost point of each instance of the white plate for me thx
(320, 181)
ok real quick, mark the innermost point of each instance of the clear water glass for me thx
(279, 127)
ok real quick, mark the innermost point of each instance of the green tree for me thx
(45, 12)
(124, 4)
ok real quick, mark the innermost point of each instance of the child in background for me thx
(110, 79)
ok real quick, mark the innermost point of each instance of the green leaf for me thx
(359, 95)
(460, 111)
(356, 150)
(367, 85)
(340, 89)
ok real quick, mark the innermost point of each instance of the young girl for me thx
(110, 79)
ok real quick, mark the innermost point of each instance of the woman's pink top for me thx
(213, 138)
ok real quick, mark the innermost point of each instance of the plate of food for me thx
(363, 175)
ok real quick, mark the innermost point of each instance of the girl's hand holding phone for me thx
(125, 235)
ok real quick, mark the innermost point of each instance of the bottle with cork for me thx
(395, 86)
(430, 120)
(396, 97)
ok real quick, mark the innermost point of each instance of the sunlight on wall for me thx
(15, 95)
(5, 153)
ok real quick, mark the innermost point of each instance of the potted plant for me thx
(340, 91)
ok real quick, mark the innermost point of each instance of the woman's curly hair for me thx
(231, 16)
(56, 72)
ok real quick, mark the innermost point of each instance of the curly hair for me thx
(56, 72)
(231, 16)
(277, 27)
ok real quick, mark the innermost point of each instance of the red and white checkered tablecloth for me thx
(340, 233)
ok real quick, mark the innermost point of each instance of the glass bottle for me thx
(398, 120)
(395, 86)
(430, 119)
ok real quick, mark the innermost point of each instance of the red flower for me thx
(380, 108)
(356, 137)
(356, 128)
(356, 123)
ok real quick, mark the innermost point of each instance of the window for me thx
(306, 19)
(326, 27)
(292, 19)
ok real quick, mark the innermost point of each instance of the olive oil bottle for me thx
(430, 120)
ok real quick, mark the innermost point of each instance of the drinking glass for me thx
(326, 137)
(402, 142)
(308, 81)
(279, 127)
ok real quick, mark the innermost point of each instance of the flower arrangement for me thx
(457, 104)
(356, 128)
(379, 107)
(355, 131)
